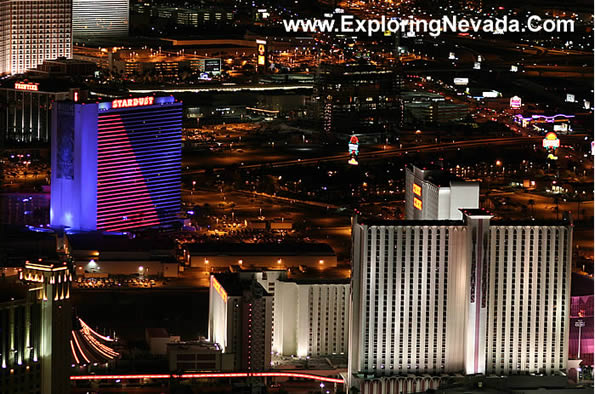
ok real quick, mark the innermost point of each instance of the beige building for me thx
(467, 296)
(33, 31)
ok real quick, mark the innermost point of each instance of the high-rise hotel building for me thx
(100, 19)
(116, 165)
(33, 31)
(467, 296)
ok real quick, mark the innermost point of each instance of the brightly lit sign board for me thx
(417, 203)
(416, 189)
(461, 81)
(551, 141)
(26, 86)
(133, 102)
(515, 102)
(490, 94)
(261, 50)
(219, 289)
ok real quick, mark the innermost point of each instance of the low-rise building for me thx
(97, 254)
(220, 256)
(197, 356)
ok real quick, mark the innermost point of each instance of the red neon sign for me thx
(417, 203)
(416, 189)
(210, 375)
(133, 102)
(26, 86)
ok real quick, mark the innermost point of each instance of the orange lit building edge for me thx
(219, 289)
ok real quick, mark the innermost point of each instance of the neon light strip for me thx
(210, 375)
(90, 340)
(74, 353)
(99, 347)
(79, 347)
(85, 325)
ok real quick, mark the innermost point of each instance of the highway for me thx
(391, 152)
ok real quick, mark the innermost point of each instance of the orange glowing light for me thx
(417, 203)
(416, 189)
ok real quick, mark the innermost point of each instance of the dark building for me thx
(356, 98)
(26, 107)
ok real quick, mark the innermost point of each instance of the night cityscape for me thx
(309, 196)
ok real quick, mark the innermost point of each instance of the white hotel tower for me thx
(97, 19)
(471, 296)
(33, 31)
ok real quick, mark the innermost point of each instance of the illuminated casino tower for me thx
(116, 165)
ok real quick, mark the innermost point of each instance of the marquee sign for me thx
(26, 86)
(133, 102)
(551, 141)
(515, 102)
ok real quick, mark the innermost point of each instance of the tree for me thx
(531, 203)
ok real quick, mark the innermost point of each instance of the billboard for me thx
(261, 51)
(551, 141)
(212, 65)
(461, 81)
(515, 102)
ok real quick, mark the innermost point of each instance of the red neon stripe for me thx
(210, 375)
(74, 353)
(123, 179)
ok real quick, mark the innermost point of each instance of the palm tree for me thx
(557, 202)
(531, 203)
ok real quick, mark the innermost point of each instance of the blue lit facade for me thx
(116, 165)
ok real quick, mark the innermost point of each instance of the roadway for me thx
(392, 152)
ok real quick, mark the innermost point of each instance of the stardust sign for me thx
(551, 141)
(133, 102)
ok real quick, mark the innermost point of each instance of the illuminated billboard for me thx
(461, 81)
(551, 141)
(212, 65)
(261, 51)
(133, 102)
(515, 102)
(353, 150)
(26, 86)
